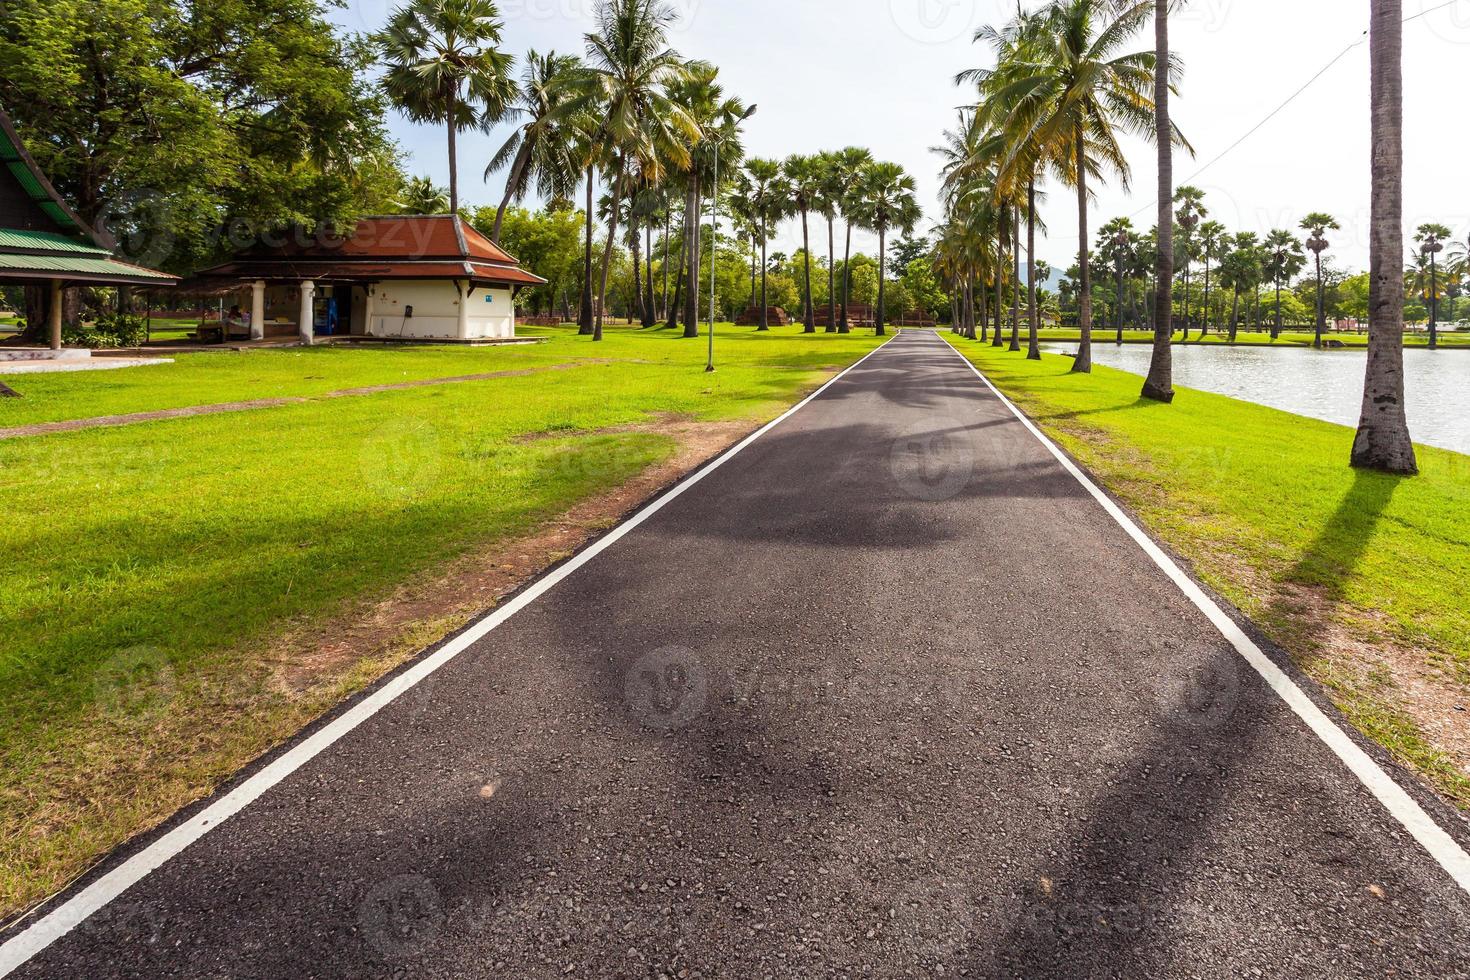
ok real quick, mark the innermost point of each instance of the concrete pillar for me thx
(464, 309)
(370, 291)
(53, 315)
(306, 322)
(257, 310)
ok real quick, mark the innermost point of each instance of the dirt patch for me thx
(422, 612)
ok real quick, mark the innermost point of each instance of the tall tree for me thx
(829, 193)
(888, 199)
(1383, 442)
(1284, 259)
(769, 198)
(539, 151)
(1212, 235)
(1430, 239)
(1317, 225)
(1191, 202)
(849, 165)
(629, 66)
(441, 66)
(1075, 91)
(1158, 384)
(422, 196)
(804, 176)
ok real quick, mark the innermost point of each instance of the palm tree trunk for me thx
(512, 182)
(846, 280)
(1033, 346)
(1186, 300)
(1159, 384)
(1016, 280)
(997, 338)
(650, 311)
(1276, 329)
(668, 234)
(1321, 307)
(754, 257)
(765, 268)
(831, 277)
(808, 316)
(693, 207)
(1383, 442)
(636, 240)
(1083, 362)
(607, 252)
(1205, 326)
(453, 161)
(584, 317)
(981, 313)
(1234, 314)
(882, 278)
(681, 275)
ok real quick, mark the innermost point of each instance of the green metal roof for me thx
(67, 265)
(45, 241)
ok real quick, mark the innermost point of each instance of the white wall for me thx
(436, 311)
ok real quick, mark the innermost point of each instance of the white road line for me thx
(1440, 845)
(91, 899)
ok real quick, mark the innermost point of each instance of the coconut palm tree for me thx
(1074, 91)
(804, 175)
(1317, 225)
(441, 65)
(1383, 442)
(421, 196)
(628, 71)
(539, 150)
(848, 165)
(768, 201)
(888, 199)
(1158, 384)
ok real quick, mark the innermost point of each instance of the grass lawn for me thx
(1361, 576)
(151, 570)
(1291, 337)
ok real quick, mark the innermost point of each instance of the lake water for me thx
(1324, 384)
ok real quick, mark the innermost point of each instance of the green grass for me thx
(1264, 505)
(1291, 337)
(149, 568)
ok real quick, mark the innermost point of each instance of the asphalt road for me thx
(888, 694)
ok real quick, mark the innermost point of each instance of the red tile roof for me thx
(383, 247)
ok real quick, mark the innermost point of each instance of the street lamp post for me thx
(714, 247)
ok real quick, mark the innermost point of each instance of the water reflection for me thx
(1325, 385)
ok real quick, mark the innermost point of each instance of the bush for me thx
(110, 330)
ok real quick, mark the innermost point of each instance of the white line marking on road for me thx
(91, 899)
(1440, 845)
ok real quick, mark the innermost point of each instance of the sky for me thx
(879, 73)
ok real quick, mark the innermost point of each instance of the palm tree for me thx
(442, 66)
(768, 201)
(889, 200)
(804, 176)
(848, 165)
(629, 66)
(1284, 259)
(1074, 90)
(1192, 210)
(1212, 235)
(1317, 225)
(825, 202)
(1431, 238)
(421, 196)
(1158, 384)
(1115, 245)
(1383, 442)
(539, 150)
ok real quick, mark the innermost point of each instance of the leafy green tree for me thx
(539, 150)
(769, 201)
(187, 128)
(546, 241)
(1430, 239)
(1212, 238)
(441, 65)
